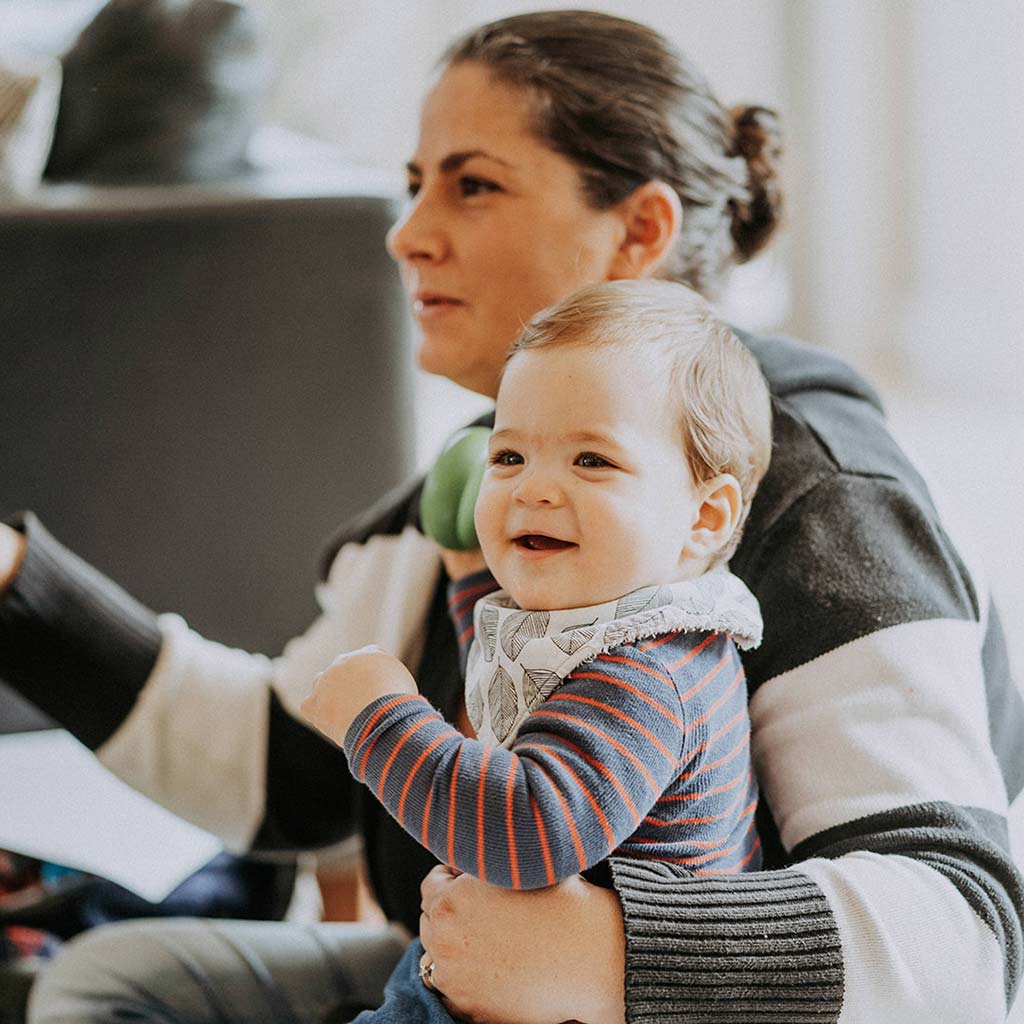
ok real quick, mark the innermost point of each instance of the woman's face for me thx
(497, 227)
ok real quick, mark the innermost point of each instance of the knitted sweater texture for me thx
(885, 733)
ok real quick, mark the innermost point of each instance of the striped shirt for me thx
(643, 751)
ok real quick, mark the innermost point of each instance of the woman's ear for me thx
(653, 217)
(717, 518)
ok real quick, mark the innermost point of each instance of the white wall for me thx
(353, 71)
(907, 250)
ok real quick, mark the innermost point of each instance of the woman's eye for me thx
(591, 460)
(412, 189)
(470, 186)
(506, 458)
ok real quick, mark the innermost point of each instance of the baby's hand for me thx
(351, 682)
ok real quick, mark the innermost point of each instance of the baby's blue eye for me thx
(591, 460)
(506, 457)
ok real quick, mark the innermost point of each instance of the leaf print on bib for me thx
(571, 642)
(488, 631)
(538, 685)
(642, 600)
(504, 707)
(518, 630)
(579, 625)
(475, 707)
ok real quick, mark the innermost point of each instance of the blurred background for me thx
(904, 250)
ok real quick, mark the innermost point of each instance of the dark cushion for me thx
(159, 91)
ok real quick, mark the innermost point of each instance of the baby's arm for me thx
(584, 770)
(356, 679)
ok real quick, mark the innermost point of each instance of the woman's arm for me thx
(66, 632)
(207, 731)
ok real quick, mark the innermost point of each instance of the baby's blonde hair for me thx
(724, 404)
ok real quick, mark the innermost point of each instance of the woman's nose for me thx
(417, 235)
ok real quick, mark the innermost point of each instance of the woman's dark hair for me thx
(615, 98)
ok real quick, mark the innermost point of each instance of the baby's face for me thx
(587, 495)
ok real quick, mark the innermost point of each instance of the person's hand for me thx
(351, 682)
(536, 957)
(12, 553)
(459, 564)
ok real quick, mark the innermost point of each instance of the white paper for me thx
(58, 803)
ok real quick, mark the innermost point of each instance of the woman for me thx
(557, 149)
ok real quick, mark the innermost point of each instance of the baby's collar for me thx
(717, 601)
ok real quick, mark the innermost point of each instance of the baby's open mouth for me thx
(539, 542)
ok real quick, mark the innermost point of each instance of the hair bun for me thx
(758, 140)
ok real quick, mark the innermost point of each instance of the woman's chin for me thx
(432, 357)
(447, 360)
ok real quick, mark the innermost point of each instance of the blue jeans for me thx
(406, 999)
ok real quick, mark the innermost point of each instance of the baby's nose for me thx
(538, 487)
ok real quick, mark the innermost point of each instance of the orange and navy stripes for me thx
(643, 751)
(462, 598)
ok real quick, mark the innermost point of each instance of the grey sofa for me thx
(199, 382)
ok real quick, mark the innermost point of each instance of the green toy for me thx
(449, 492)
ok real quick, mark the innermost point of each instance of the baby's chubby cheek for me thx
(490, 532)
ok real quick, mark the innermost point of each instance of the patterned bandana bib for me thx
(518, 658)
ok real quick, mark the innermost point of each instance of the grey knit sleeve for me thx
(71, 641)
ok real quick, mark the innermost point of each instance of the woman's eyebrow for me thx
(453, 161)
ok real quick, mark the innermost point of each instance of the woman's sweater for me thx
(886, 733)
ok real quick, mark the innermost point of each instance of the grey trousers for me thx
(190, 971)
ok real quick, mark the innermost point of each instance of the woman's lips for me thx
(426, 305)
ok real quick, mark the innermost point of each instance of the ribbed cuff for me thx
(71, 641)
(748, 948)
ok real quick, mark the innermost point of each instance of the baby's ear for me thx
(717, 518)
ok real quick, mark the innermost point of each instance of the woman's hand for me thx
(351, 682)
(12, 553)
(540, 957)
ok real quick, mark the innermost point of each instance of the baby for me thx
(603, 680)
